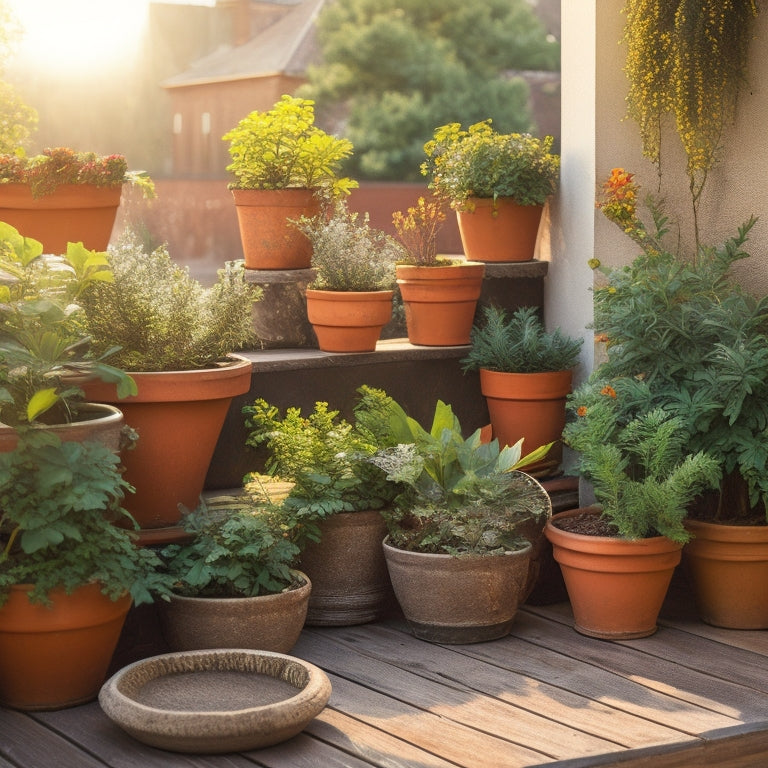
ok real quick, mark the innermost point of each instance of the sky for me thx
(78, 35)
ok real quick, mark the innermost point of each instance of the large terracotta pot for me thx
(440, 302)
(728, 565)
(348, 321)
(350, 583)
(616, 586)
(72, 213)
(528, 405)
(269, 240)
(500, 230)
(448, 599)
(263, 623)
(178, 416)
(59, 656)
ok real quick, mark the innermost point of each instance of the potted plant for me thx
(176, 338)
(62, 195)
(68, 574)
(350, 299)
(525, 376)
(42, 343)
(700, 342)
(285, 167)
(234, 584)
(333, 486)
(497, 184)
(439, 293)
(617, 559)
(460, 530)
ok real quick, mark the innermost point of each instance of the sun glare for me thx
(75, 35)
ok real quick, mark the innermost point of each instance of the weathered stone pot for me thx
(350, 583)
(448, 599)
(266, 623)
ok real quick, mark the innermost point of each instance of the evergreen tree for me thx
(397, 69)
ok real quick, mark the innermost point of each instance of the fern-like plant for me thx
(637, 460)
(519, 344)
(161, 317)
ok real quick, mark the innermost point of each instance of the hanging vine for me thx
(687, 59)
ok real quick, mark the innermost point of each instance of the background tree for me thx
(394, 70)
(17, 120)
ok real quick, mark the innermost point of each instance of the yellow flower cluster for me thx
(686, 58)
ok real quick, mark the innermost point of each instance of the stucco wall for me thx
(594, 89)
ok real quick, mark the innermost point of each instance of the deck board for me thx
(544, 696)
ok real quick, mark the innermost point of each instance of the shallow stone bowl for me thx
(215, 701)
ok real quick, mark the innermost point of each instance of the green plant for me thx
(456, 495)
(59, 503)
(237, 548)
(417, 229)
(45, 172)
(162, 318)
(42, 343)
(283, 148)
(519, 344)
(478, 162)
(324, 455)
(697, 340)
(637, 460)
(687, 60)
(349, 255)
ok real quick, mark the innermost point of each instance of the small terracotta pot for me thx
(348, 321)
(528, 405)
(440, 302)
(179, 416)
(499, 230)
(57, 657)
(448, 599)
(264, 623)
(269, 239)
(72, 213)
(616, 586)
(728, 565)
(350, 582)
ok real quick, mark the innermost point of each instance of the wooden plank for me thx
(456, 701)
(692, 686)
(452, 741)
(29, 744)
(501, 669)
(302, 751)
(91, 728)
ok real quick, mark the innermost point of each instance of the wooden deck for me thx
(689, 696)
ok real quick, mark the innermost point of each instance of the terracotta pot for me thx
(528, 405)
(448, 599)
(72, 213)
(269, 240)
(59, 656)
(350, 583)
(728, 565)
(440, 302)
(263, 623)
(348, 321)
(97, 422)
(179, 416)
(616, 586)
(500, 231)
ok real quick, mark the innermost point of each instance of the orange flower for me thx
(581, 410)
(608, 390)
